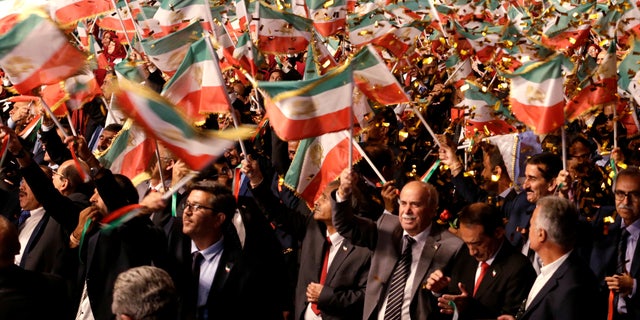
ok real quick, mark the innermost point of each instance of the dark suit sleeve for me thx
(518, 288)
(61, 208)
(362, 232)
(343, 300)
(468, 189)
(292, 221)
(57, 151)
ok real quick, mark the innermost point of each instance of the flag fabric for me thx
(309, 108)
(242, 12)
(329, 17)
(282, 32)
(562, 32)
(111, 20)
(168, 52)
(317, 162)
(159, 119)
(373, 78)
(198, 88)
(72, 93)
(536, 95)
(130, 153)
(67, 12)
(319, 59)
(36, 52)
(83, 35)
(245, 55)
(482, 108)
(599, 90)
(367, 28)
(174, 15)
(629, 66)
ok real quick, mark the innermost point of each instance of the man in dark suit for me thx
(615, 257)
(565, 288)
(333, 272)
(27, 295)
(225, 282)
(489, 279)
(406, 250)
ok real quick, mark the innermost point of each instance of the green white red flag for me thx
(600, 89)
(309, 108)
(160, 119)
(67, 12)
(373, 78)
(317, 162)
(198, 88)
(537, 97)
(482, 109)
(174, 15)
(130, 153)
(329, 17)
(168, 52)
(282, 32)
(34, 51)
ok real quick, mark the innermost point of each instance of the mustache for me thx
(625, 207)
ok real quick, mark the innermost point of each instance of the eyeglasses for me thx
(633, 195)
(194, 207)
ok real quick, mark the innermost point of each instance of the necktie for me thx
(323, 273)
(399, 277)
(24, 215)
(483, 270)
(195, 267)
(622, 252)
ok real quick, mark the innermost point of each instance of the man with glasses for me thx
(616, 255)
(225, 281)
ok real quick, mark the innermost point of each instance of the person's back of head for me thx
(9, 242)
(145, 293)
(559, 218)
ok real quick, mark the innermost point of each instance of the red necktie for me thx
(323, 273)
(483, 270)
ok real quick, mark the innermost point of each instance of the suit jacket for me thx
(570, 293)
(384, 237)
(248, 283)
(518, 211)
(604, 262)
(28, 295)
(504, 286)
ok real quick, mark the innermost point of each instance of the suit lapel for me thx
(35, 235)
(431, 246)
(494, 270)
(550, 285)
(228, 261)
(341, 255)
(635, 263)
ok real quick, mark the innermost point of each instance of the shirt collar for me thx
(633, 229)
(38, 212)
(335, 238)
(211, 251)
(420, 237)
(549, 269)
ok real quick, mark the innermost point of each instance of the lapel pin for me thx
(344, 248)
(493, 273)
(436, 246)
(227, 267)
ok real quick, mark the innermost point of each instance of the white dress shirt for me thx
(208, 268)
(546, 272)
(27, 230)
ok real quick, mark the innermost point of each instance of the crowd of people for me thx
(472, 242)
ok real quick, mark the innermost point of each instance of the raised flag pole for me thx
(124, 30)
(162, 180)
(366, 158)
(564, 148)
(54, 118)
(179, 185)
(615, 126)
(234, 117)
(351, 143)
(73, 130)
(426, 125)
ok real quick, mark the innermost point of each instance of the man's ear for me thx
(496, 173)
(124, 317)
(221, 217)
(552, 185)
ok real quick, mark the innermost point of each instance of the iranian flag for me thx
(367, 28)
(242, 12)
(67, 12)
(317, 162)
(329, 17)
(599, 89)
(168, 52)
(130, 153)
(198, 88)
(482, 108)
(478, 39)
(566, 30)
(36, 52)
(373, 78)
(174, 15)
(72, 93)
(536, 95)
(309, 108)
(319, 59)
(282, 32)
(245, 54)
(629, 66)
(111, 21)
(160, 119)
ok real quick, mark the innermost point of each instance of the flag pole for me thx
(426, 125)
(564, 148)
(73, 130)
(366, 158)
(162, 180)
(351, 143)
(53, 118)
(124, 30)
(615, 126)
(179, 185)
(234, 117)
